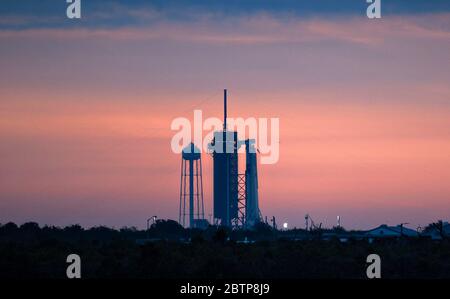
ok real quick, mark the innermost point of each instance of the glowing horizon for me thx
(363, 106)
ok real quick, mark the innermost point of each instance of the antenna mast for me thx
(224, 109)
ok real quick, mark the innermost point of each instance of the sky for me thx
(86, 106)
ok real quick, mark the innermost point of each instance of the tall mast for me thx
(224, 109)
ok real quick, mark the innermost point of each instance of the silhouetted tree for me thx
(9, 228)
(438, 226)
(31, 227)
(111, 253)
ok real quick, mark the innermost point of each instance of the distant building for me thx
(385, 231)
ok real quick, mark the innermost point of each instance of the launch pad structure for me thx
(235, 195)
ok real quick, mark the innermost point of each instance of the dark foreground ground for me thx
(33, 252)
